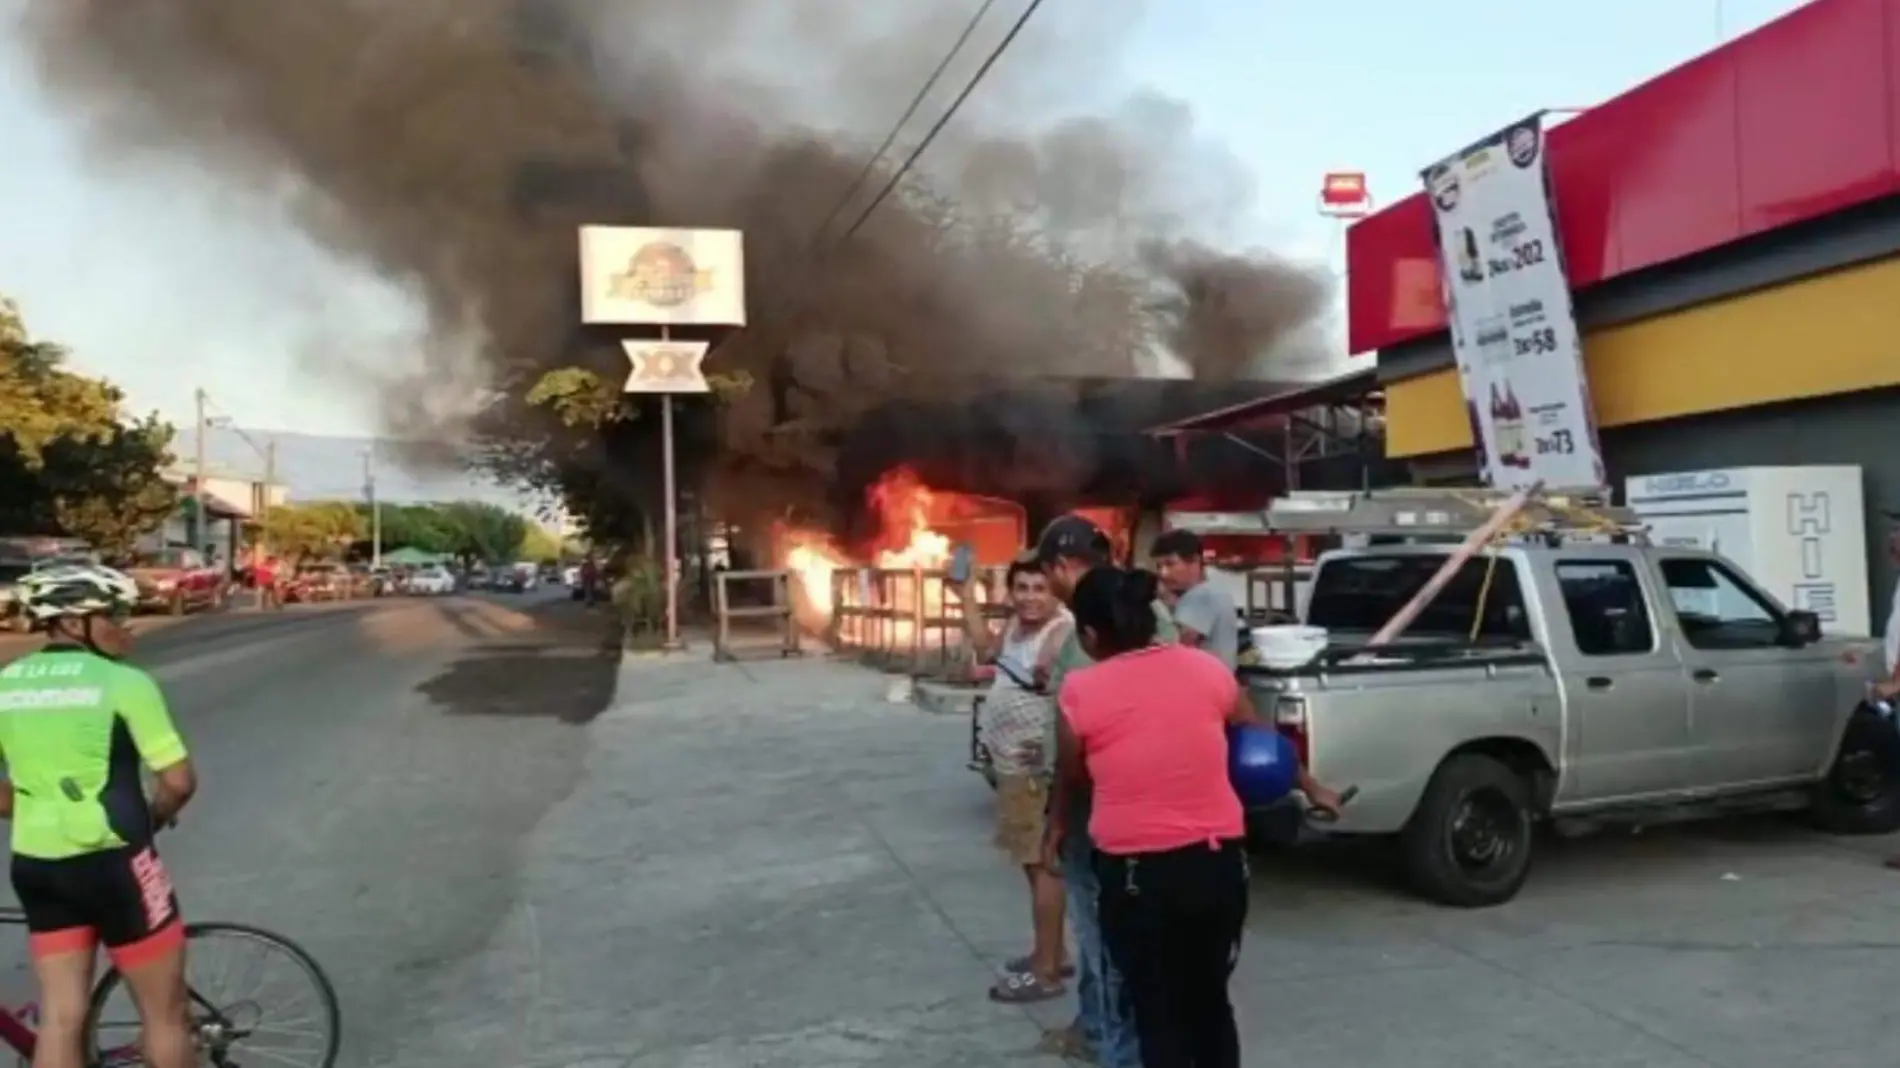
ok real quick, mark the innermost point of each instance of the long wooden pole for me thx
(1474, 541)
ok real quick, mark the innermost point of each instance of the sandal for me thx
(1025, 988)
(1021, 966)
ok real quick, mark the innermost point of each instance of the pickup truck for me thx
(177, 581)
(1574, 685)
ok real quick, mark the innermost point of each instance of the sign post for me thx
(1513, 328)
(664, 278)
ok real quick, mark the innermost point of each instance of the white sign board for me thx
(1507, 298)
(634, 275)
(1800, 532)
(666, 367)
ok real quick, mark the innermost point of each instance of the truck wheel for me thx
(1861, 793)
(1468, 845)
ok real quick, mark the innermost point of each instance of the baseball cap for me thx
(1071, 536)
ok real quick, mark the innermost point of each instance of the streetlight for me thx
(375, 506)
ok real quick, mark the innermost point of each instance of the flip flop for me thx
(1021, 966)
(1025, 988)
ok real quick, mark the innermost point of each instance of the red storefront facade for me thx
(1795, 122)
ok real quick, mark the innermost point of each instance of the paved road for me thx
(513, 853)
(368, 771)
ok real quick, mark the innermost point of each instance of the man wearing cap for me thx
(1069, 548)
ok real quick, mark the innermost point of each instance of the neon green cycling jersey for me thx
(74, 728)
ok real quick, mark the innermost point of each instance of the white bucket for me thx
(1289, 647)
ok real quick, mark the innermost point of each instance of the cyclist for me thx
(75, 725)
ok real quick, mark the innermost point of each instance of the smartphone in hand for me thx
(962, 564)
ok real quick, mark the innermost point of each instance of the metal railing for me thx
(781, 611)
(907, 620)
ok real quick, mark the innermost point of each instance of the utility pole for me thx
(375, 507)
(200, 527)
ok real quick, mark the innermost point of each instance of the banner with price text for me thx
(1513, 329)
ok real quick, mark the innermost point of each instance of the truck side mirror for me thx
(1799, 628)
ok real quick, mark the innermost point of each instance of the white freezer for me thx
(1800, 532)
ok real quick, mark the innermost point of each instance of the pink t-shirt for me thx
(1153, 728)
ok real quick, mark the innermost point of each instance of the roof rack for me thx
(1432, 513)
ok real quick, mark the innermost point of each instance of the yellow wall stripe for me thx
(1833, 333)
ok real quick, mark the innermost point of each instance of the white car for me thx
(432, 581)
(570, 577)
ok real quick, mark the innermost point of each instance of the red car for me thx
(177, 581)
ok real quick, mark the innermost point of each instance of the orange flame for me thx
(905, 541)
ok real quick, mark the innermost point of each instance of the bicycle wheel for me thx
(236, 1018)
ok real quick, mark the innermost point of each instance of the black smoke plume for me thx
(451, 148)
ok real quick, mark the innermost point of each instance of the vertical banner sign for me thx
(1513, 330)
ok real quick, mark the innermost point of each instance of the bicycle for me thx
(231, 1036)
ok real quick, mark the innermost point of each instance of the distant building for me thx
(231, 499)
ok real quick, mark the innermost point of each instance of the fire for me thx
(907, 541)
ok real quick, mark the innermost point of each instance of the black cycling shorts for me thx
(120, 897)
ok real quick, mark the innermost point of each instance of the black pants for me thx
(1172, 922)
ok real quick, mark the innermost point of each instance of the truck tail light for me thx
(1289, 716)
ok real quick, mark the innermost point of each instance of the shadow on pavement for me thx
(555, 660)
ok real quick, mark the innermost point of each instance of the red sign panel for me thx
(1344, 194)
(1735, 143)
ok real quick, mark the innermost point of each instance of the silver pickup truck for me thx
(1575, 685)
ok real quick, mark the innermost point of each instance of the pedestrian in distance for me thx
(1014, 725)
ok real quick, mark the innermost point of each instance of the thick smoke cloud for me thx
(450, 147)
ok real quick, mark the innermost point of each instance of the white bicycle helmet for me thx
(75, 591)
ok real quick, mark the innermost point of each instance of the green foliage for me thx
(540, 545)
(321, 530)
(484, 531)
(471, 530)
(640, 597)
(71, 462)
(421, 527)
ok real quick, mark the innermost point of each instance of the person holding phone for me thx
(1016, 719)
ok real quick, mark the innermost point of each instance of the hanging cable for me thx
(916, 102)
(969, 88)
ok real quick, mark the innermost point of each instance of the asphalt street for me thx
(367, 772)
(513, 849)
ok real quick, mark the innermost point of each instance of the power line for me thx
(969, 88)
(916, 102)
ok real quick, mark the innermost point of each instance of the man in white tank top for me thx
(1013, 726)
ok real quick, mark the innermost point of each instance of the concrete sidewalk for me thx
(771, 865)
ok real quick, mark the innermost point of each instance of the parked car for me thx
(1578, 685)
(177, 581)
(431, 581)
(318, 582)
(508, 580)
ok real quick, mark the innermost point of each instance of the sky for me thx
(160, 285)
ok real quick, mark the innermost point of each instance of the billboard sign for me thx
(633, 275)
(1513, 328)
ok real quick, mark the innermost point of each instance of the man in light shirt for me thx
(1206, 616)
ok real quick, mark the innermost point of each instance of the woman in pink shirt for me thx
(1147, 724)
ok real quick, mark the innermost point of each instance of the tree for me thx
(540, 544)
(415, 526)
(71, 462)
(483, 532)
(320, 530)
